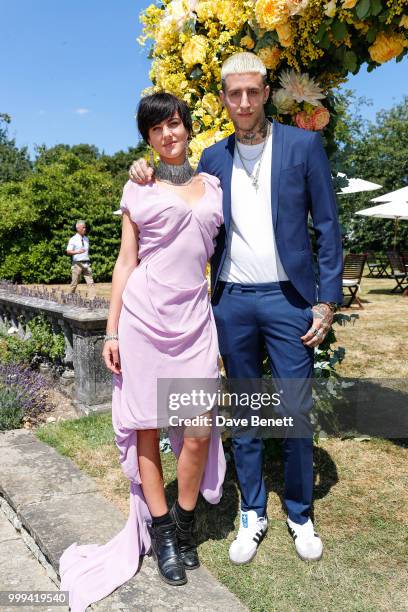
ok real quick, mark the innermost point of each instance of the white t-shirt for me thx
(252, 255)
(79, 242)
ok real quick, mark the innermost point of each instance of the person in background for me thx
(78, 247)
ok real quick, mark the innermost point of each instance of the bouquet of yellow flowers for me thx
(308, 47)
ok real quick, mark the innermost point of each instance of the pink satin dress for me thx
(166, 330)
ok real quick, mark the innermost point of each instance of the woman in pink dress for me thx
(160, 325)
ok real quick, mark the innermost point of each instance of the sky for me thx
(72, 71)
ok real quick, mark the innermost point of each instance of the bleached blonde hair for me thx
(242, 62)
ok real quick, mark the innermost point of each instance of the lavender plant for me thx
(23, 395)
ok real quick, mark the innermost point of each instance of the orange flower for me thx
(304, 121)
(349, 4)
(271, 13)
(270, 57)
(248, 42)
(386, 46)
(320, 118)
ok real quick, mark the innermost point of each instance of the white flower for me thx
(283, 101)
(301, 87)
(296, 7)
(330, 8)
(180, 11)
(12, 330)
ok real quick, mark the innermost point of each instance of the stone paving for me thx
(20, 570)
(53, 504)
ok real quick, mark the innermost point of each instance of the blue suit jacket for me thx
(301, 184)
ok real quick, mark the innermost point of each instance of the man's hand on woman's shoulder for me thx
(140, 172)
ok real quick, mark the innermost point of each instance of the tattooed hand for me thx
(322, 322)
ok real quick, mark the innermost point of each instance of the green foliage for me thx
(14, 162)
(38, 214)
(86, 153)
(42, 345)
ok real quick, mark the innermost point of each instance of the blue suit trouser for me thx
(274, 315)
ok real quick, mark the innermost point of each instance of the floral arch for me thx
(308, 46)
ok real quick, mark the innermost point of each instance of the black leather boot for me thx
(185, 538)
(166, 552)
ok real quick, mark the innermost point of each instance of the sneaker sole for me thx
(298, 553)
(307, 559)
(253, 556)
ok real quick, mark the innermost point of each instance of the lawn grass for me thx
(377, 343)
(360, 492)
(360, 513)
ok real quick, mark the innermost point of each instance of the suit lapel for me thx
(227, 177)
(277, 146)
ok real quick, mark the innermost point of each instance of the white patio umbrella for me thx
(356, 185)
(396, 209)
(398, 194)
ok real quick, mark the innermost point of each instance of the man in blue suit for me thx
(264, 289)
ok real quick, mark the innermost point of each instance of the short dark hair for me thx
(158, 107)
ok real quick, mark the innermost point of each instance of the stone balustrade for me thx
(83, 327)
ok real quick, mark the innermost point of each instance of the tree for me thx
(45, 206)
(85, 152)
(378, 152)
(118, 164)
(14, 162)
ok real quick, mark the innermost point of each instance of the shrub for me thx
(23, 395)
(42, 345)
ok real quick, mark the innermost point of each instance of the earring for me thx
(151, 158)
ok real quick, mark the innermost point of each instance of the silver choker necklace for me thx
(176, 175)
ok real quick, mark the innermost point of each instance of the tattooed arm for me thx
(322, 322)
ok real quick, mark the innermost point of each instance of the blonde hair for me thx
(242, 62)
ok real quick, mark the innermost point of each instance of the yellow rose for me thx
(165, 37)
(270, 56)
(285, 34)
(386, 46)
(201, 142)
(349, 4)
(246, 41)
(195, 50)
(211, 104)
(207, 120)
(404, 22)
(206, 9)
(271, 13)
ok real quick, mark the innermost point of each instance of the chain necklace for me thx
(255, 177)
(174, 174)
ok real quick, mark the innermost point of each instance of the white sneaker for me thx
(252, 530)
(308, 545)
